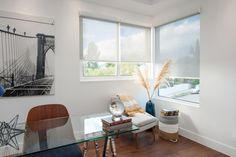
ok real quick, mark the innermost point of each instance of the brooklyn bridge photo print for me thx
(27, 51)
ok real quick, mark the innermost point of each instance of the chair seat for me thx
(142, 119)
(66, 151)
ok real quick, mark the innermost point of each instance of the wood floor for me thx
(126, 147)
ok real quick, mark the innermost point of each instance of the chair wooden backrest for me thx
(37, 116)
(42, 118)
(47, 111)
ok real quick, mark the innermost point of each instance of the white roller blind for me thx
(108, 41)
(180, 42)
(135, 43)
(99, 40)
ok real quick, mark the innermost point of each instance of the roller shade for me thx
(99, 40)
(108, 41)
(180, 42)
(135, 43)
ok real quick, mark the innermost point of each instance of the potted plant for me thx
(144, 81)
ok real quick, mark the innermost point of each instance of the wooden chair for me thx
(48, 111)
(39, 122)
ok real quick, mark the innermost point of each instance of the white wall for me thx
(213, 123)
(79, 97)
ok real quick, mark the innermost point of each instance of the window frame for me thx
(118, 75)
(157, 54)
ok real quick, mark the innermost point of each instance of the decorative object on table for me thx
(168, 124)
(27, 55)
(117, 109)
(144, 81)
(8, 133)
(109, 124)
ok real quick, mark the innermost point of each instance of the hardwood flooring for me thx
(126, 147)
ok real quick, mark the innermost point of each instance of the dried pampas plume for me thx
(143, 78)
(143, 81)
(161, 76)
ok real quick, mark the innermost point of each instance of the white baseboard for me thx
(221, 147)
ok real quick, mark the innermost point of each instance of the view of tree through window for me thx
(99, 69)
(180, 42)
(128, 69)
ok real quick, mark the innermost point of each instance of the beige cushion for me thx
(141, 119)
(131, 106)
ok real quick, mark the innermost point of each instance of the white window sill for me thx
(102, 79)
(179, 102)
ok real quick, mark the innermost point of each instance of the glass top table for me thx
(60, 132)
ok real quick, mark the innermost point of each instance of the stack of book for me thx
(109, 125)
(169, 112)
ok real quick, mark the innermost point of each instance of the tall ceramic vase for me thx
(150, 108)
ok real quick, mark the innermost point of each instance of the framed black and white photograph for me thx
(27, 54)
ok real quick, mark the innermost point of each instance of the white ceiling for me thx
(144, 7)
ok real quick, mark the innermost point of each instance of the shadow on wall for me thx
(185, 122)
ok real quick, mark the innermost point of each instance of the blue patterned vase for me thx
(150, 108)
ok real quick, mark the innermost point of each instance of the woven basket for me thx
(168, 125)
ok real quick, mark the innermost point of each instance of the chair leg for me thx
(135, 135)
(118, 134)
(154, 133)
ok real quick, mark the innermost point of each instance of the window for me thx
(180, 42)
(113, 49)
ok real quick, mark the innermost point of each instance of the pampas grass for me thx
(161, 76)
(143, 81)
(143, 78)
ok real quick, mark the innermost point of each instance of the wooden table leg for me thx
(85, 149)
(96, 148)
(106, 143)
(108, 146)
(113, 147)
(109, 143)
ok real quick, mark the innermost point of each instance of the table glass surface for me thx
(58, 132)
